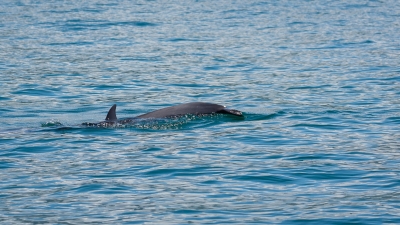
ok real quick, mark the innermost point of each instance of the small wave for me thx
(260, 116)
(52, 124)
(178, 122)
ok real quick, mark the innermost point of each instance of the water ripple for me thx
(318, 84)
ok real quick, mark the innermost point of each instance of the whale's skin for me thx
(193, 108)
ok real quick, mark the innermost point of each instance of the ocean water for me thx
(318, 82)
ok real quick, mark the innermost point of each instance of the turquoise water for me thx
(318, 82)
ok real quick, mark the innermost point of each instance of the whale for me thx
(192, 108)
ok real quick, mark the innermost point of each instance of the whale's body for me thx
(193, 108)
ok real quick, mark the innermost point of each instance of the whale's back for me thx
(194, 108)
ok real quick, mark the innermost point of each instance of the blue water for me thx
(318, 82)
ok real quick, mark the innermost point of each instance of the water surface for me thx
(318, 82)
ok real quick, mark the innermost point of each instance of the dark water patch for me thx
(185, 40)
(174, 172)
(128, 23)
(114, 191)
(212, 68)
(88, 188)
(341, 43)
(393, 119)
(393, 78)
(70, 44)
(268, 179)
(109, 87)
(326, 157)
(4, 98)
(338, 221)
(38, 92)
(257, 116)
(29, 115)
(320, 126)
(6, 165)
(197, 85)
(61, 128)
(241, 65)
(78, 24)
(143, 59)
(302, 24)
(62, 75)
(336, 174)
(357, 6)
(92, 10)
(107, 4)
(153, 149)
(187, 211)
(74, 10)
(309, 87)
(35, 149)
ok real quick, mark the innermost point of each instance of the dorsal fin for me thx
(112, 115)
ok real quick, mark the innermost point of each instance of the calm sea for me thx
(318, 82)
